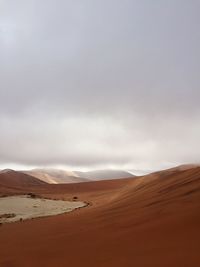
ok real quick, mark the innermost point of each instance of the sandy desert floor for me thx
(151, 221)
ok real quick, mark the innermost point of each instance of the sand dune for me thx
(184, 167)
(14, 178)
(146, 221)
(55, 176)
(104, 174)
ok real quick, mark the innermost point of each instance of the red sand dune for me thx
(13, 178)
(147, 221)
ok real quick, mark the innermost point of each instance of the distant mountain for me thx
(104, 174)
(14, 178)
(56, 176)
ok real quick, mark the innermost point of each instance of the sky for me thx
(95, 84)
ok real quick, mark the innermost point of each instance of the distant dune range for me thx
(55, 176)
(147, 221)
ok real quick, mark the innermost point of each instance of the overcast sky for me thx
(92, 84)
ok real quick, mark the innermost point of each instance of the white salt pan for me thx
(23, 207)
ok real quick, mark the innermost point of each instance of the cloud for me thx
(95, 84)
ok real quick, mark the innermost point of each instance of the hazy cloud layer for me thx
(99, 83)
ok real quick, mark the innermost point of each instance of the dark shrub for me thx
(32, 195)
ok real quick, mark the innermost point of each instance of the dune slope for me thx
(14, 178)
(148, 221)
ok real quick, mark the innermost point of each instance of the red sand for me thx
(149, 221)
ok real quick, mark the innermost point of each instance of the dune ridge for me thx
(151, 221)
